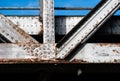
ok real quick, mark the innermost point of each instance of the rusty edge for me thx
(55, 61)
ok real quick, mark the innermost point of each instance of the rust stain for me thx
(115, 51)
(79, 61)
(109, 44)
(41, 32)
(115, 60)
(40, 61)
(104, 44)
(24, 34)
(117, 44)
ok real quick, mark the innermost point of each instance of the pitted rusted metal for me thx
(41, 51)
(99, 53)
(30, 24)
(13, 33)
(47, 15)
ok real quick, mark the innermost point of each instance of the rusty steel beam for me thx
(28, 44)
(27, 51)
(47, 15)
(85, 28)
(63, 25)
(91, 53)
(13, 51)
(13, 33)
(30, 24)
(98, 53)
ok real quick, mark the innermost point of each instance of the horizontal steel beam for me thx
(32, 25)
(27, 51)
(98, 53)
(91, 53)
(29, 24)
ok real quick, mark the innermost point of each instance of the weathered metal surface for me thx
(13, 33)
(13, 51)
(27, 51)
(99, 53)
(30, 25)
(87, 27)
(47, 15)
(40, 51)
(91, 53)
(63, 25)
(44, 51)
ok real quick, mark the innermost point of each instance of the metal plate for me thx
(13, 51)
(99, 53)
(47, 14)
(27, 51)
(63, 25)
(30, 24)
(13, 33)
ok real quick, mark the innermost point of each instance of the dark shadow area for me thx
(38, 38)
(59, 77)
(104, 39)
(97, 38)
(60, 72)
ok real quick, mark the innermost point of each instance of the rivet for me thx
(12, 38)
(7, 34)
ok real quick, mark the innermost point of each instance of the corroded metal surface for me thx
(12, 51)
(63, 25)
(99, 53)
(12, 32)
(22, 51)
(47, 15)
(27, 50)
(29, 24)
(45, 53)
